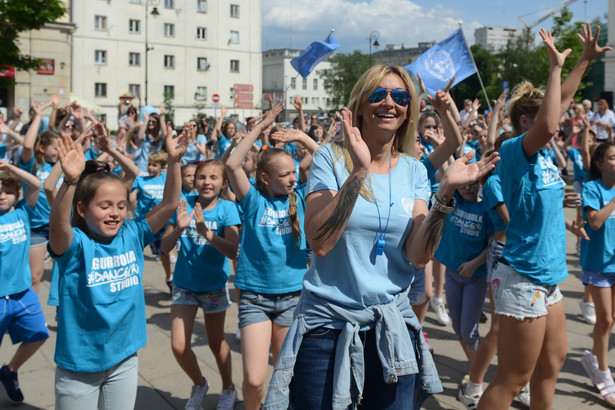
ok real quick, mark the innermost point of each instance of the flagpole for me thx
(480, 80)
(284, 94)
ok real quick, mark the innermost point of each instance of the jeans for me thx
(465, 298)
(312, 384)
(113, 389)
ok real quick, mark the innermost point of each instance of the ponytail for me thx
(294, 220)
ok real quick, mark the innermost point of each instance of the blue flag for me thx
(437, 65)
(314, 54)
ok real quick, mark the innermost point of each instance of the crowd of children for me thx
(217, 196)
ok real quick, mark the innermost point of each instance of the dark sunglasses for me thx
(399, 96)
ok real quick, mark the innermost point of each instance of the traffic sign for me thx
(215, 98)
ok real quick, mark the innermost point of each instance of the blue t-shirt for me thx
(40, 216)
(92, 153)
(352, 274)
(192, 154)
(469, 147)
(200, 267)
(431, 173)
(492, 196)
(145, 148)
(223, 144)
(101, 316)
(598, 254)
(15, 250)
(270, 260)
(577, 159)
(465, 235)
(534, 194)
(150, 190)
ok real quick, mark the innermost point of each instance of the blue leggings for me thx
(465, 298)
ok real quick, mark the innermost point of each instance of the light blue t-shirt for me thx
(577, 159)
(270, 261)
(15, 250)
(192, 154)
(101, 316)
(492, 196)
(223, 144)
(534, 194)
(465, 235)
(352, 274)
(431, 173)
(145, 148)
(150, 190)
(200, 267)
(40, 216)
(598, 254)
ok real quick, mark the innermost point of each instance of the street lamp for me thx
(154, 13)
(373, 40)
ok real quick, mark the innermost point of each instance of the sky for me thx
(297, 23)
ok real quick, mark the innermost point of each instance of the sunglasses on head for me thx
(399, 96)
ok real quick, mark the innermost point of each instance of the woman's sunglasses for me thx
(399, 96)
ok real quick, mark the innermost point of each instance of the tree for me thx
(22, 15)
(343, 75)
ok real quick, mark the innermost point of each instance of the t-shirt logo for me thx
(119, 272)
(14, 232)
(549, 174)
(278, 219)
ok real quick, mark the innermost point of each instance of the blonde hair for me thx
(525, 100)
(159, 157)
(405, 136)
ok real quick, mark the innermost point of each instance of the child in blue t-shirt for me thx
(463, 250)
(598, 263)
(272, 261)
(22, 315)
(101, 314)
(146, 194)
(206, 225)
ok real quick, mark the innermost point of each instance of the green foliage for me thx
(343, 75)
(22, 15)
(168, 105)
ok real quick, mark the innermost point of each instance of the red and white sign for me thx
(243, 88)
(7, 71)
(215, 98)
(47, 66)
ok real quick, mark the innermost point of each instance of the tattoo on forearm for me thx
(347, 197)
(435, 226)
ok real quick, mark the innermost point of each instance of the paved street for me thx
(163, 385)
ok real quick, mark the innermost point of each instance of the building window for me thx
(234, 66)
(169, 91)
(169, 30)
(100, 89)
(200, 94)
(100, 56)
(304, 84)
(235, 10)
(201, 6)
(231, 92)
(135, 89)
(169, 4)
(315, 84)
(100, 23)
(134, 59)
(135, 1)
(315, 100)
(201, 33)
(134, 26)
(306, 100)
(169, 61)
(201, 64)
(234, 37)
(293, 83)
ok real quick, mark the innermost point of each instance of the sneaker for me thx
(483, 318)
(227, 398)
(590, 364)
(470, 402)
(440, 309)
(11, 385)
(196, 396)
(588, 311)
(524, 395)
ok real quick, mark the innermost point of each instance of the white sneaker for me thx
(196, 397)
(440, 309)
(227, 398)
(524, 395)
(588, 311)
(470, 402)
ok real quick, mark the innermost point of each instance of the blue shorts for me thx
(21, 314)
(598, 279)
(155, 246)
(494, 252)
(516, 296)
(417, 288)
(39, 236)
(261, 307)
(212, 302)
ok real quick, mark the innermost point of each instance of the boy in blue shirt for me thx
(146, 194)
(22, 313)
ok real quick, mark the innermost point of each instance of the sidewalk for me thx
(163, 385)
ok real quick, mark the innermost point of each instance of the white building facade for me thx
(187, 50)
(280, 78)
(495, 39)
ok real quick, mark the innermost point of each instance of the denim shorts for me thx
(21, 314)
(515, 296)
(417, 288)
(598, 279)
(155, 246)
(39, 236)
(212, 302)
(261, 307)
(494, 252)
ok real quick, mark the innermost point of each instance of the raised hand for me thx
(501, 101)
(4, 166)
(176, 147)
(461, 172)
(102, 137)
(591, 49)
(357, 148)
(76, 110)
(269, 99)
(572, 200)
(35, 108)
(422, 89)
(55, 101)
(162, 110)
(448, 85)
(4, 129)
(441, 102)
(183, 218)
(556, 59)
(297, 102)
(223, 111)
(201, 228)
(286, 136)
(72, 159)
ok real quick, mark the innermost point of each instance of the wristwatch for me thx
(442, 207)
